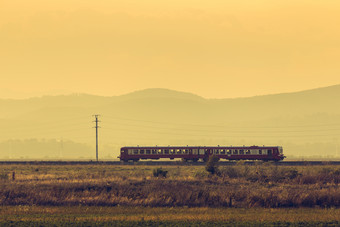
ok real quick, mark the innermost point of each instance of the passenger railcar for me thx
(195, 153)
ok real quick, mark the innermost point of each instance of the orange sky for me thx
(216, 49)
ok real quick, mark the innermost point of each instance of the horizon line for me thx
(159, 88)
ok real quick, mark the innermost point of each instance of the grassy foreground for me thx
(99, 195)
(241, 186)
(146, 216)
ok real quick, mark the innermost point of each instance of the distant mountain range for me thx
(161, 116)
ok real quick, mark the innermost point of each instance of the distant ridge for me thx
(327, 90)
(163, 116)
(169, 93)
(161, 93)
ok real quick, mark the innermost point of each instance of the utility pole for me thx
(96, 120)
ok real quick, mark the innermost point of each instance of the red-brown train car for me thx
(194, 153)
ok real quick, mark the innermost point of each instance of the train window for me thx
(269, 152)
(187, 151)
(228, 151)
(171, 151)
(129, 151)
(260, 151)
(241, 152)
(222, 151)
(178, 151)
(235, 152)
(135, 151)
(247, 151)
(147, 151)
(166, 151)
(195, 151)
(264, 152)
(201, 151)
(142, 151)
(160, 151)
(184, 151)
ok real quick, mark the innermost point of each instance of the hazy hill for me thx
(161, 116)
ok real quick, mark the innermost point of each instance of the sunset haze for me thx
(215, 49)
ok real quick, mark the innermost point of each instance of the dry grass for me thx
(262, 185)
(166, 214)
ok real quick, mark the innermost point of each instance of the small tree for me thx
(159, 172)
(212, 165)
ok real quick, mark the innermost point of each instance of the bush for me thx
(159, 172)
(292, 174)
(212, 165)
(337, 172)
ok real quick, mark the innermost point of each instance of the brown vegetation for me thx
(262, 185)
(178, 216)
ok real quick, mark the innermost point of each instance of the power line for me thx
(224, 126)
(227, 131)
(207, 135)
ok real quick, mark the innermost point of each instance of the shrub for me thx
(212, 165)
(159, 172)
(337, 172)
(292, 174)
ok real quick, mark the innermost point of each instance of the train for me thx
(196, 153)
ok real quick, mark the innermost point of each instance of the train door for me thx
(270, 152)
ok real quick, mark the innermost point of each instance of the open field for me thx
(131, 194)
(262, 185)
(146, 216)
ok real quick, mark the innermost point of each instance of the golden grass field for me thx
(131, 195)
(85, 214)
